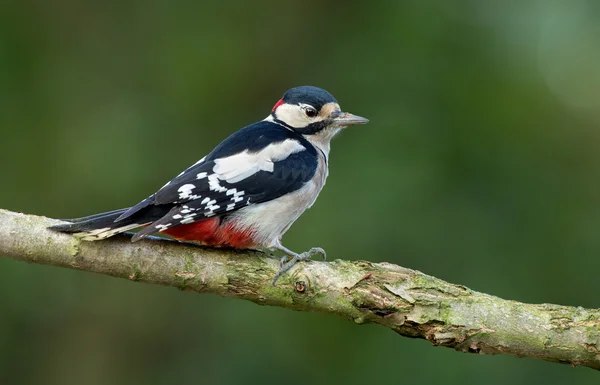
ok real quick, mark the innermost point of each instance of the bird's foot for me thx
(285, 265)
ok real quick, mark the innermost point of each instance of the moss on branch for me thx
(407, 301)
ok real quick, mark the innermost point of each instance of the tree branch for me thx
(407, 301)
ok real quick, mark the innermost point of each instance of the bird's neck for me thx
(322, 140)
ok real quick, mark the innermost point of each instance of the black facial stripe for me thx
(313, 128)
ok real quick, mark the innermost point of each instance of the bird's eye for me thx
(311, 112)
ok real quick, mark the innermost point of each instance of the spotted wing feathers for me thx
(224, 181)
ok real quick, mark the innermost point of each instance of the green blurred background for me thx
(480, 166)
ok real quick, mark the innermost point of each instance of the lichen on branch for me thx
(407, 301)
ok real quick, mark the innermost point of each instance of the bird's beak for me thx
(345, 119)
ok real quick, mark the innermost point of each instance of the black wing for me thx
(257, 164)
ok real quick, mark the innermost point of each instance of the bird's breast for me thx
(268, 221)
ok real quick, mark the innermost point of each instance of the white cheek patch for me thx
(240, 166)
(293, 115)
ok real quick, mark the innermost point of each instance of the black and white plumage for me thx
(249, 190)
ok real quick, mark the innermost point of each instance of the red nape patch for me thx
(211, 233)
(280, 102)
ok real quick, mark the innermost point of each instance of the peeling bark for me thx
(407, 301)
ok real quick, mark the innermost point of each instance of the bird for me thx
(248, 191)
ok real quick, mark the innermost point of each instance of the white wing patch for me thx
(235, 168)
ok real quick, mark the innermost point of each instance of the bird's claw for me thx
(315, 251)
(282, 261)
(285, 265)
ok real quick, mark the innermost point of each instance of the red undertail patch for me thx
(212, 233)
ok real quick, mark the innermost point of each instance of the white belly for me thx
(268, 221)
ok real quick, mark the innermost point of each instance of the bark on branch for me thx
(407, 301)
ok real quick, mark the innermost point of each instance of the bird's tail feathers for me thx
(109, 214)
(98, 226)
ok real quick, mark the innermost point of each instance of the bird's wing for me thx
(227, 180)
(252, 138)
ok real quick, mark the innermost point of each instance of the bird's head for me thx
(312, 111)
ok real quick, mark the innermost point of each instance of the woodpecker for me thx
(247, 191)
